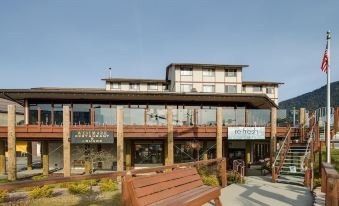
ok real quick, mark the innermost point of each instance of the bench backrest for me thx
(144, 190)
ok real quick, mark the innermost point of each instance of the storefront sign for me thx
(246, 133)
(92, 136)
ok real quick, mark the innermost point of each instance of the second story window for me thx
(186, 88)
(134, 86)
(208, 88)
(257, 88)
(244, 88)
(186, 71)
(152, 86)
(230, 72)
(116, 85)
(270, 90)
(208, 72)
(230, 89)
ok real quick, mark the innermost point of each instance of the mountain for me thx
(313, 100)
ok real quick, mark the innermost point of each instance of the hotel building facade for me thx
(199, 111)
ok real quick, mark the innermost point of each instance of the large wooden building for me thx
(199, 111)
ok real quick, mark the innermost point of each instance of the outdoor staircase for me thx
(292, 171)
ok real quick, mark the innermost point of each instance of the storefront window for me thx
(33, 114)
(134, 116)
(207, 117)
(81, 114)
(149, 153)
(104, 115)
(156, 117)
(183, 117)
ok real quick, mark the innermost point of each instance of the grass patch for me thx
(4, 181)
(334, 160)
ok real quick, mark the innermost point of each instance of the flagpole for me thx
(328, 100)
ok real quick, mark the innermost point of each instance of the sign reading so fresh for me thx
(246, 133)
(92, 136)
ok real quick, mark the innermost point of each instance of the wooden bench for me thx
(179, 187)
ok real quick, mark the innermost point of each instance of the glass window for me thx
(208, 88)
(230, 72)
(156, 116)
(152, 86)
(208, 72)
(230, 89)
(244, 88)
(186, 87)
(104, 115)
(58, 111)
(33, 114)
(45, 113)
(81, 114)
(257, 88)
(270, 90)
(134, 116)
(186, 71)
(148, 153)
(134, 86)
(116, 85)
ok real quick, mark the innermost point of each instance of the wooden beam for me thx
(66, 141)
(29, 155)
(45, 158)
(2, 158)
(219, 132)
(170, 138)
(120, 138)
(273, 139)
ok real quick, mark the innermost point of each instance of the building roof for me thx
(136, 80)
(204, 65)
(261, 83)
(254, 100)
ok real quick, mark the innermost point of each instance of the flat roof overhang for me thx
(261, 101)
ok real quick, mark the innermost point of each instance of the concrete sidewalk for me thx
(261, 191)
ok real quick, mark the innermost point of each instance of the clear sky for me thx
(72, 43)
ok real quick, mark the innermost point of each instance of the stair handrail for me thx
(284, 142)
(307, 163)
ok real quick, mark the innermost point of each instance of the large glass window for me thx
(104, 115)
(230, 72)
(46, 113)
(58, 111)
(149, 153)
(33, 114)
(134, 116)
(156, 116)
(186, 87)
(183, 117)
(208, 72)
(207, 117)
(186, 71)
(81, 114)
(116, 85)
(208, 88)
(230, 89)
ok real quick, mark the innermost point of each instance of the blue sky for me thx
(72, 43)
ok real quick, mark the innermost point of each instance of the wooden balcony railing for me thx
(329, 184)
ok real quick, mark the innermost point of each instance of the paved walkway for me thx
(261, 191)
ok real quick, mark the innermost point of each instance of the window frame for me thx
(230, 71)
(210, 70)
(181, 87)
(254, 87)
(152, 84)
(116, 83)
(183, 69)
(270, 89)
(208, 85)
(227, 90)
(134, 89)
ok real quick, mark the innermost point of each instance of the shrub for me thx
(39, 192)
(81, 188)
(234, 178)
(40, 177)
(317, 182)
(107, 185)
(89, 182)
(3, 196)
(210, 180)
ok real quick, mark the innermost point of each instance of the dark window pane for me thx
(81, 114)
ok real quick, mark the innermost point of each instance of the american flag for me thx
(324, 64)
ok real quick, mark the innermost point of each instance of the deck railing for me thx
(329, 184)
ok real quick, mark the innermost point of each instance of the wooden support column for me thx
(302, 116)
(120, 138)
(336, 119)
(205, 150)
(66, 141)
(2, 158)
(219, 132)
(170, 140)
(45, 159)
(273, 133)
(128, 155)
(29, 155)
(26, 112)
(11, 143)
(248, 152)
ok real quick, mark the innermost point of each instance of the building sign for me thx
(246, 133)
(92, 136)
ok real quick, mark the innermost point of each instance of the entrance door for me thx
(148, 155)
(235, 154)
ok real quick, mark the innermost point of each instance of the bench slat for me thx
(154, 179)
(168, 193)
(143, 191)
(197, 196)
